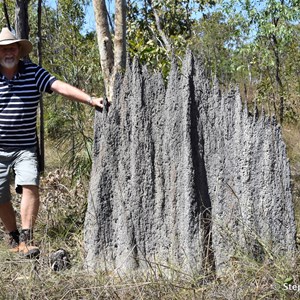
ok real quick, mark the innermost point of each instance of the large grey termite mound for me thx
(185, 176)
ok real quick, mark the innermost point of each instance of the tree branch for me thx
(160, 30)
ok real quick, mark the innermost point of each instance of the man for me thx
(21, 84)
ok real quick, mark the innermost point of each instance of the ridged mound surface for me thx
(185, 176)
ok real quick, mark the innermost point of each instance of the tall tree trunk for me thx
(120, 35)
(21, 19)
(112, 58)
(104, 43)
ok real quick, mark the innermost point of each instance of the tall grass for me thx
(245, 279)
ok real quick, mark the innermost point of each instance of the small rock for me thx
(60, 260)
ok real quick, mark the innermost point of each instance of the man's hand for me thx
(97, 102)
(100, 103)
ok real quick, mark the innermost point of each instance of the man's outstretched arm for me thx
(75, 94)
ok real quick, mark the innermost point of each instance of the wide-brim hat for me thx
(7, 38)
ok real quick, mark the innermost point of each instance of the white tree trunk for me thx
(112, 58)
(104, 43)
(120, 35)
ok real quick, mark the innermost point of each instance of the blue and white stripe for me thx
(19, 99)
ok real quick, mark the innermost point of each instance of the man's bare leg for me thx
(29, 210)
(29, 206)
(8, 216)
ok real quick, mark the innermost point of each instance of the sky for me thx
(90, 18)
(89, 15)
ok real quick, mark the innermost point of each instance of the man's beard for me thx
(8, 63)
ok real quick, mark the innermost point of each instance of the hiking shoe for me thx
(26, 247)
(28, 251)
(13, 239)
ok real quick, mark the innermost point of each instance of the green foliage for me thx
(10, 10)
(267, 49)
(145, 38)
(213, 41)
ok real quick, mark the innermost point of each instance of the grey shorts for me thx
(24, 164)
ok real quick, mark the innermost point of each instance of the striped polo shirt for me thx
(19, 99)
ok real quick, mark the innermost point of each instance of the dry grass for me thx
(291, 135)
(60, 226)
(245, 279)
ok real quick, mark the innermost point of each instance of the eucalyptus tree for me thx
(214, 40)
(152, 30)
(112, 48)
(21, 19)
(270, 29)
(159, 30)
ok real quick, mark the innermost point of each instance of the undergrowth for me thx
(244, 279)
